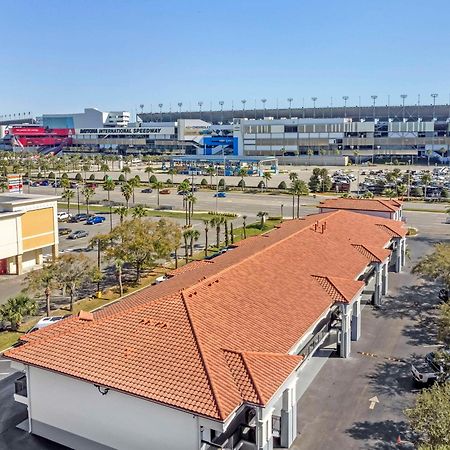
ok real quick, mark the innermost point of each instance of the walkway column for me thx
(398, 256)
(403, 255)
(385, 278)
(55, 251)
(288, 428)
(378, 285)
(264, 439)
(19, 268)
(346, 311)
(356, 319)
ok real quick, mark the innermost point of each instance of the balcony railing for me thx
(20, 386)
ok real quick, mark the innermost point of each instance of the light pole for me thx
(221, 103)
(142, 107)
(345, 98)
(314, 99)
(243, 101)
(263, 101)
(180, 104)
(290, 106)
(374, 98)
(403, 97)
(200, 108)
(160, 112)
(434, 124)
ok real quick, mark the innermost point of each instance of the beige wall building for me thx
(28, 224)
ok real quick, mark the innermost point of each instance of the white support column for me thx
(385, 278)
(403, 254)
(345, 349)
(356, 319)
(264, 439)
(398, 256)
(378, 285)
(288, 418)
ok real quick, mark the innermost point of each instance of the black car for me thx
(147, 190)
(443, 295)
(79, 218)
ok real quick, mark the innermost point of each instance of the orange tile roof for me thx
(211, 338)
(361, 204)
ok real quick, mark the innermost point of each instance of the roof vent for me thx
(85, 315)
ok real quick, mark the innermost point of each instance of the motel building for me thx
(28, 224)
(218, 355)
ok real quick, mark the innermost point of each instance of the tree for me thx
(435, 266)
(191, 199)
(73, 270)
(148, 170)
(140, 243)
(134, 183)
(109, 186)
(122, 178)
(243, 172)
(444, 324)
(126, 170)
(320, 181)
(389, 193)
(206, 223)
(68, 195)
(262, 215)
(87, 193)
(267, 177)
(282, 185)
(138, 211)
(16, 308)
(298, 189)
(186, 234)
(43, 281)
(244, 226)
(211, 171)
(122, 211)
(127, 191)
(78, 177)
(158, 185)
(426, 180)
(430, 417)
(401, 190)
(293, 176)
(171, 172)
(216, 222)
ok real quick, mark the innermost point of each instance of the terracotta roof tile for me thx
(357, 204)
(165, 343)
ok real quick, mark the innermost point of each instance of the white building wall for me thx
(9, 242)
(116, 420)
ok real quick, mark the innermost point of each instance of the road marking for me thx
(373, 401)
(373, 355)
(4, 373)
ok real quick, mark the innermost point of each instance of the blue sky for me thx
(62, 56)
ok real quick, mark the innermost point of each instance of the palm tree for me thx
(216, 222)
(138, 212)
(104, 168)
(87, 193)
(184, 186)
(293, 176)
(426, 180)
(244, 226)
(186, 234)
(171, 172)
(134, 183)
(299, 188)
(211, 171)
(109, 186)
(158, 185)
(267, 177)
(243, 172)
(119, 265)
(16, 308)
(309, 153)
(126, 190)
(126, 170)
(225, 222)
(401, 190)
(262, 215)
(193, 237)
(68, 194)
(122, 211)
(85, 168)
(206, 223)
(389, 193)
(191, 199)
(148, 170)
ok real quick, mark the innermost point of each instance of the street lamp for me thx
(200, 108)
(434, 105)
(160, 112)
(403, 96)
(345, 98)
(180, 104)
(221, 103)
(314, 99)
(142, 107)
(243, 101)
(263, 101)
(434, 124)
(374, 98)
(290, 106)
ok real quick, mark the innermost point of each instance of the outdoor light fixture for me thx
(103, 390)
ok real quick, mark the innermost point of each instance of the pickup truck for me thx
(429, 370)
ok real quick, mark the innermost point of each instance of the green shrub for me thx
(153, 179)
(51, 175)
(282, 185)
(241, 184)
(78, 177)
(122, 178)
(92, 177)
(204, 182)
(222, 182)
(64, 175)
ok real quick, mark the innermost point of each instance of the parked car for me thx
(73, 185)
(147, 191)
(78, 234)
(44, 183)
(63, 216)
(95, 219)
(79, 218)
(220, 194)
(45, 322)
(430, 369)
(164, 191)
(443, 295)
(63, 231)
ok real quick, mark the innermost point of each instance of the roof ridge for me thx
(366, 249)
(203, 359)
(258, 253)
(330, 279)
(388, 227)
(383, 202)
(257, 390)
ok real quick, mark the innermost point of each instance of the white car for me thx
(45, 322)
(62, 216)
